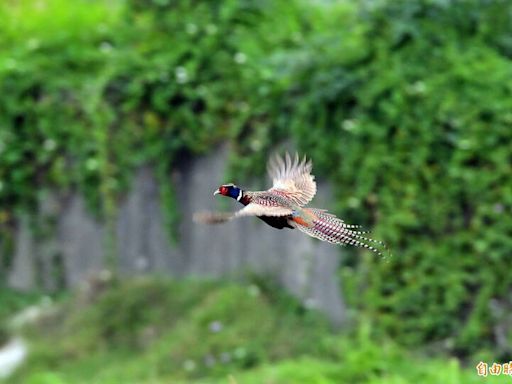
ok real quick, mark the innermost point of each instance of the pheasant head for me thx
(230, 190)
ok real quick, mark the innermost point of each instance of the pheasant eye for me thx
(223, 190)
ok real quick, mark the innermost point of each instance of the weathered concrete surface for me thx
(304, 266)
(23, 273)
(82, 241)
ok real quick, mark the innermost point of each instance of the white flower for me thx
(310, 303)
(499, 208)
(254, 290)
(256, 144)
(10, 64)
(417, 88)
(465, 144)
(211, 29)
(353, 202)
(243, 106)
(105, 275)
(33, 44)
(189, 365)
(191, 28)
(240, 58)
(240, 353)
(209, 360)
(348, 125)
(225, 357)
(92, 164)
(181, 75)
(105, 47)
(215, 326)
(49, 145)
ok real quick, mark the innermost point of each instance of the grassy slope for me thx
(151, 331)
(10, 303)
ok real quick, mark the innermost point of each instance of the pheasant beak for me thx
(216, 192)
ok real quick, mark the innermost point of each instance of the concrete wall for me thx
(77, 242)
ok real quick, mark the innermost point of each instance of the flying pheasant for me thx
(282, 206)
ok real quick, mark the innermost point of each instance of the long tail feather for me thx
(328, 227)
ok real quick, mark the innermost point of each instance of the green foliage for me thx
(10, 303)
(180, 329)
(404, 106)
(149, 331)
(399, 369)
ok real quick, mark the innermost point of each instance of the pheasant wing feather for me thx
(292, 179)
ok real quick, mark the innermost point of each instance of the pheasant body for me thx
(278, 222)
(282, 206)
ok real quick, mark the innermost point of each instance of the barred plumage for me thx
(327, 227)
(282, 206)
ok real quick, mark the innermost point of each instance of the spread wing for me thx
(292, 179)
(252, 209)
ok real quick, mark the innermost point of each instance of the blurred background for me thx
(118, 119)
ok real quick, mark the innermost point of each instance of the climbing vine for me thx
(404, 107)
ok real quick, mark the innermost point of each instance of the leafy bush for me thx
(150, 331)
(404, 106)
(179, 329)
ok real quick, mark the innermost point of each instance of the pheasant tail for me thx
(328, 227)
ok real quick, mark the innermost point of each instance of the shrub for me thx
(404, 106)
